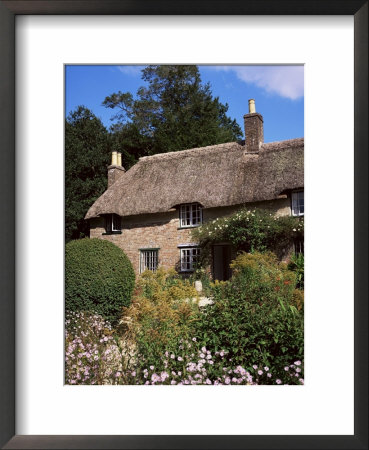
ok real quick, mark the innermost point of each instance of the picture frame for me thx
(8, 11)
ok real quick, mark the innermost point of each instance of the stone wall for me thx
(163, 231)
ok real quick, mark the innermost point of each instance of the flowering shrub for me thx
(252, 334)
(202, 367)
(92, 354)
(251, 230)
(254, 316)
(163, 311)
(260, 277)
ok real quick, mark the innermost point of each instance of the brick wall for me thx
(254, 131)
(162, 231)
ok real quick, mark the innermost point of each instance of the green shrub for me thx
(297, 265)
(98, 277)
(250, 231)
(161, 314)
(254, 317)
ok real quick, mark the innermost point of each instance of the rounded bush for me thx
(99, 277)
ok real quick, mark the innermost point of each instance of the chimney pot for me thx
(252, 109)
(115, 170)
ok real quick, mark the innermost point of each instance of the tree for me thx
(174, 112)
(87, 154)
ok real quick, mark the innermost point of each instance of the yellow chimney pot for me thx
(252, 109)
(119, 159)
(114, 159)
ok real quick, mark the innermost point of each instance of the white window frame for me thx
(110, 225)
(149, 259)
(295, 203)
(190, 215)
(189, 252)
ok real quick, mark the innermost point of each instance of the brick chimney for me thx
(254, 130)
(115, 170)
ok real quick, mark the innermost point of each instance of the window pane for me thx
(149, 260)
(189, 257)
(190, 215)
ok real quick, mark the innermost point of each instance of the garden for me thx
(155, 330)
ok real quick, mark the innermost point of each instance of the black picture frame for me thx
(8, 12)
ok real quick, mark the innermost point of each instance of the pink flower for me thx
(133, 373)
(266, 369)
(255, 366)
(298, 363)
(286, 368)
(180, 358)
(260, 372)
(278, 381)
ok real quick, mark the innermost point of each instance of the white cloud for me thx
(130, 70)
(286, 81)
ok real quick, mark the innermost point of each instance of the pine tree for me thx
(87, 156)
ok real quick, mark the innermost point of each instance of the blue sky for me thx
(278, 92)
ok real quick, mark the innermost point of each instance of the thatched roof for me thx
(218, 175)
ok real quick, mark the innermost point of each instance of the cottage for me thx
(150, 210)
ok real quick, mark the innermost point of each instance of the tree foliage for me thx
(174, 111)
(251, 230)
(87, 156)
(99, 278)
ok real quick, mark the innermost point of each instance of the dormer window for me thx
(297, 199)
(113, 224)
(190, 215)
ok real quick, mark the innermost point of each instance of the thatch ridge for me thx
(217, 175)
(189, 152)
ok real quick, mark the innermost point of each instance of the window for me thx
(297, 203)
(112, 223)
(149, 259)
(190, 215)
(189, 257)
